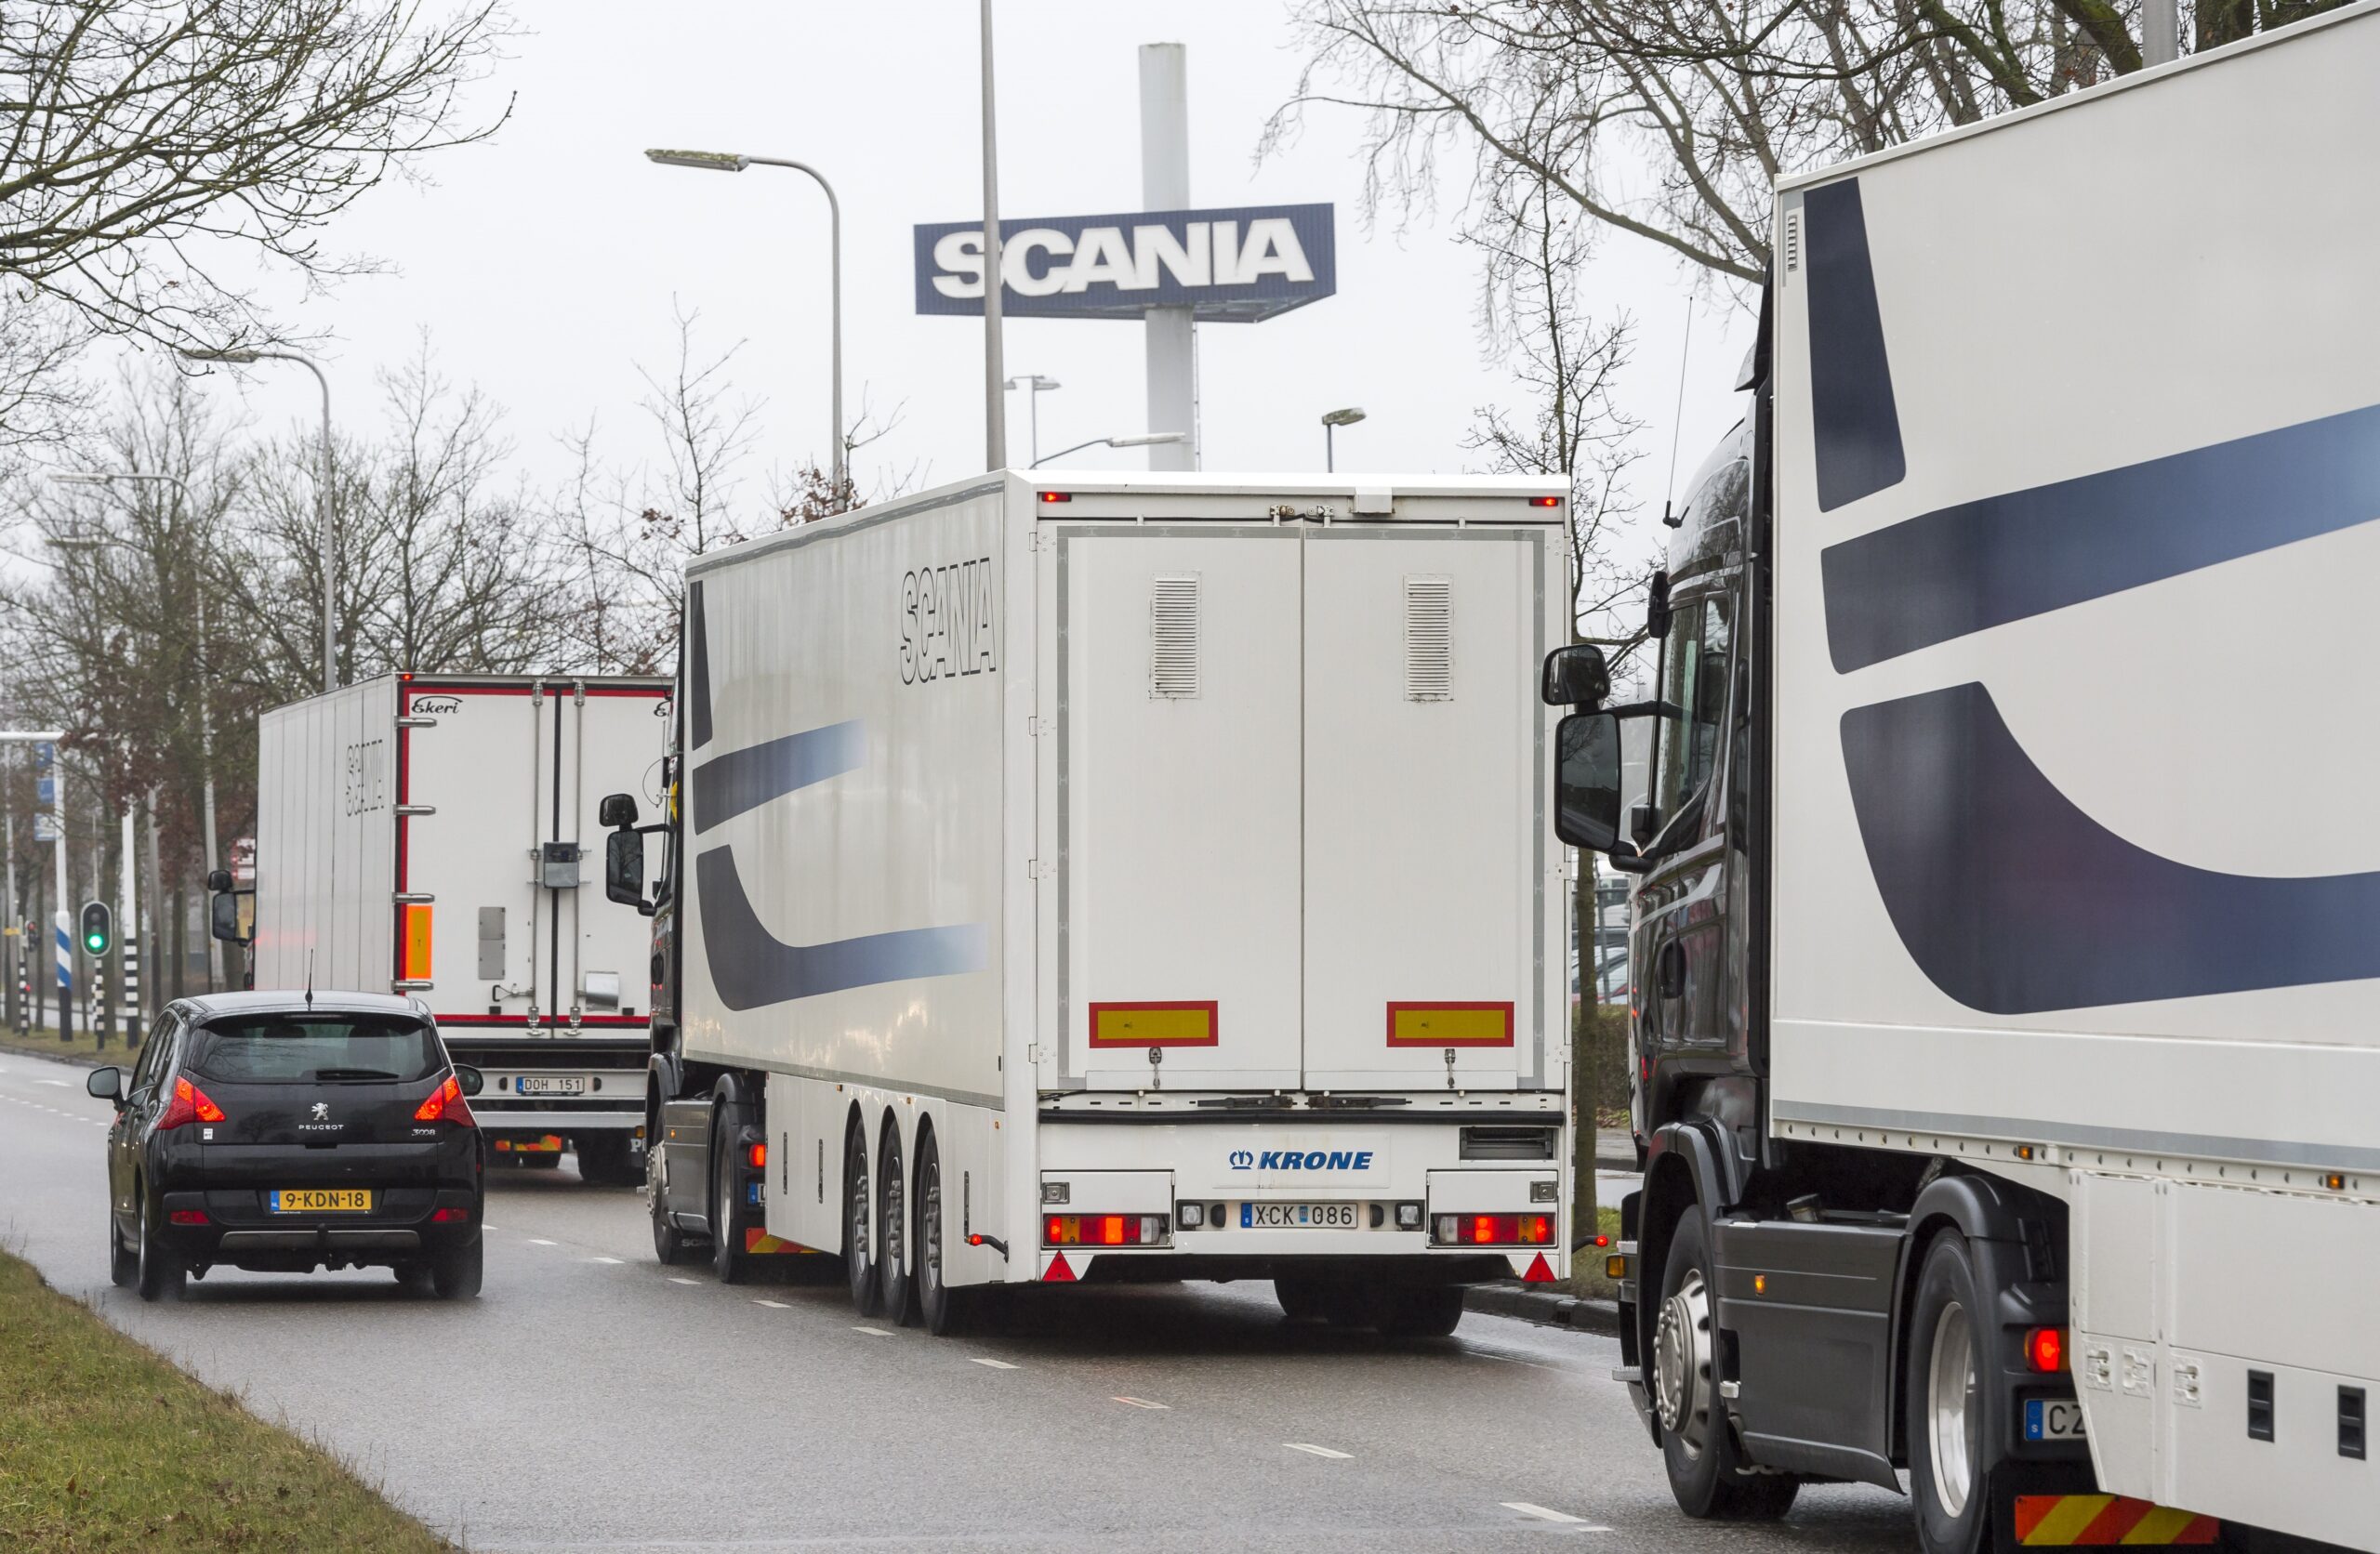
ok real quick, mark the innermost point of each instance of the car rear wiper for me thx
(354, 1074)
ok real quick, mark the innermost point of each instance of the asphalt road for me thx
(592, 1399)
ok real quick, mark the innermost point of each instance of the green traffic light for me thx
(95, 942)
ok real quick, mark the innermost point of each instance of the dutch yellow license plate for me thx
(322, 1200)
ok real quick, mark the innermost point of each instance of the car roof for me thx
(293, 1001)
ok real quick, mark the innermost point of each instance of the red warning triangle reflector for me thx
(1537, 1272)
(1061, 1274)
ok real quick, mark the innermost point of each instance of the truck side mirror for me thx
(1586, 781)
(1575, 676)
(223, 916)
(624, 866)
(1656, 606)
(470, 1079)
(219, 880)
(616, 810)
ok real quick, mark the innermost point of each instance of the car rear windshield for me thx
(309, 1049)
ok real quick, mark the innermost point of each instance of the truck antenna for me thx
(1670, 486)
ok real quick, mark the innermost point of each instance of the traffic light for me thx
(99, 927)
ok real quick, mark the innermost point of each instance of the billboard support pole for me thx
(1172, 336)
(994, 371)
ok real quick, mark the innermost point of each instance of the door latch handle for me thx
(1669, 969)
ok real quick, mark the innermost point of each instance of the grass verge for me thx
(84, 1049)
(105, 1445)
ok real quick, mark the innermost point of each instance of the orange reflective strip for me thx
(1450, 1026)
(2108, 1521)
(416, 966)
(1177, 1024)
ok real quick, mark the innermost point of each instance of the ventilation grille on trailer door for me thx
(1173, 635)
(1428, 640)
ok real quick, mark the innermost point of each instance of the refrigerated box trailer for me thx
(2007, 1067)
(1076, 877)
(434, 835)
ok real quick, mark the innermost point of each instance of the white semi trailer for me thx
(1081, 878)
(2007, 937)
(424, 834)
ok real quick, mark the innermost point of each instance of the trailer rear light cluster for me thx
(189, 1105)
(1492, 1230)
(2045, 1349)
(1545, 501)
(1104, 1229)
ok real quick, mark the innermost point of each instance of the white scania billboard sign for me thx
(1231, 266)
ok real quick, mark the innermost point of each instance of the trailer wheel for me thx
(1431, 1311)
(1951, 1408)
(1302, 1300)
(671, 1246)
(945, 1310)
(893, 1250)
(859, 1262)
(1698, 1442)
(728, 1259)
(605, 1160)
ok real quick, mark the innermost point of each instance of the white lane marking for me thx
(675, 1280)
(875, 1332)
(485, 1226)
(773, 1305)
(1546, 1514)
(1141, 1403)
(60, 1083)
(996, 1365)
(613, 1261)
(1317, 1451)
(541, 1240)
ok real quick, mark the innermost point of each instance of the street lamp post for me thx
(205, 722)
(1038, 385)
(732, 162)
(1139, 440)
(59, 927)
(1331, 422)
(241, 356)
(994, 402)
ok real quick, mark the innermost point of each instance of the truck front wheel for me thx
(670, 1245)
(1698, 1442)
(728, 1259)
(1950, 1409)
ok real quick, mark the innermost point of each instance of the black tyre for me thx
(1953, 1422)
(1424, 1313)
(1707, 1475)
(671, 1246)
(1302, 1300)
(455, 1271)
(123, 1263)
(539, 1162)
(893, 1249)
(159, 1273)
(943, 1310)
(728, 1259)
(859, 1243)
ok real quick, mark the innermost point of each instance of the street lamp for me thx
(1139, 440)
(206, 723)
(1039, 385)
(733, 162)
(1331, 422)
(241, 356)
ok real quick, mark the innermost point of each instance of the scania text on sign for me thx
(1236, 265)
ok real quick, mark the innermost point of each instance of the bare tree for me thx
(148, 140)
(1670, 119)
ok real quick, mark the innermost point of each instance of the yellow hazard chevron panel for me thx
(2108, 1521)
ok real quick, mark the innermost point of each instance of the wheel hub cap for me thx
(1950, 1412)
(1682, 1361)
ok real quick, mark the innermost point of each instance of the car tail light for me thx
(450, 1216)
(2045, 1349)
(189, 1105)
(1492, 1230)
(188, 1217)
(446, 1104)
(1103, 1230)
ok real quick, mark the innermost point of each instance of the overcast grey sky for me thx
(545, 262)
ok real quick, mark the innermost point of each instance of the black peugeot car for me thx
(283, 1132)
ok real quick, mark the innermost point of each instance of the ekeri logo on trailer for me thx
(2008, 896)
